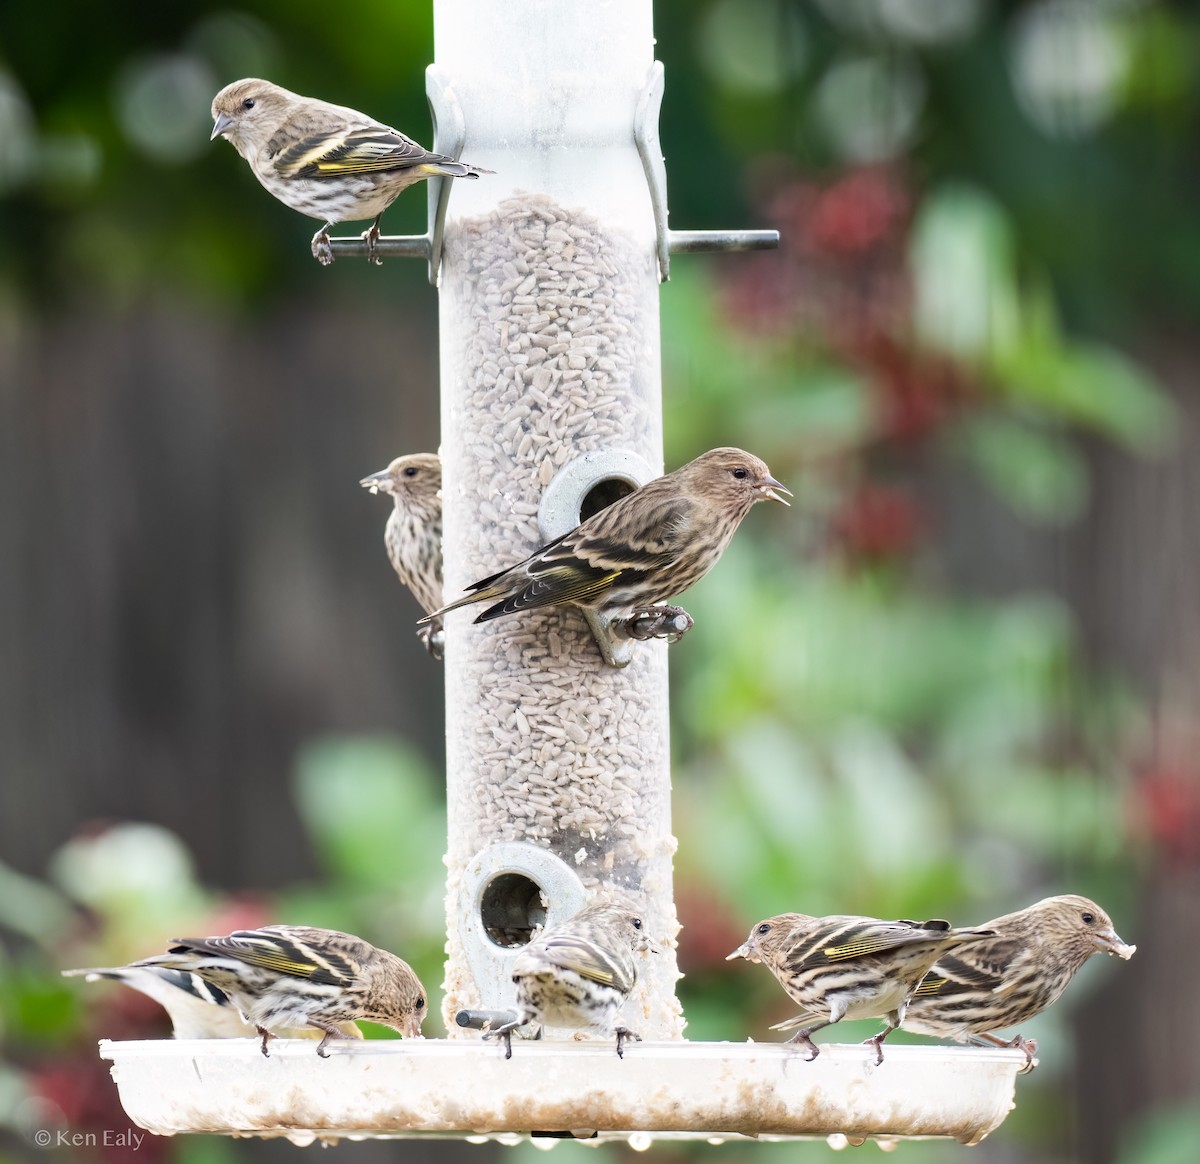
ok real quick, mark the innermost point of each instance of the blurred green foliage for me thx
(377, 859)
(1167, 1136)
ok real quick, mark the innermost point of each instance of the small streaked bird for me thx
(413, 534)
(1009, 978)
(197, 1009)
(281, 977)
(848, 967)
(578, 974)
(639, 551)
(328, 162)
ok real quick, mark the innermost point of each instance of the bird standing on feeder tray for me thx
(413, 534)
(1009, 978)
(579, 974)
(281, 977)
(623, 563)
(329, 162)
(847, 967)
(197, 1009)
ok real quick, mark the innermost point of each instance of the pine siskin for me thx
(331, 163)
(579, 974)
(197, 1009)
(846, 967)
(413, 534)
(640, 551)
(296, 976)
(1011, 977)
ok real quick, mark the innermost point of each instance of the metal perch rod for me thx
(681, 242)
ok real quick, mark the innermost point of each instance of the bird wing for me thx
(553, 585)
(279, 948)
(337, 152)
(609, 549)
(851, 937)
(585, 958)
(529, 584)
(644, 531)
(980, 967)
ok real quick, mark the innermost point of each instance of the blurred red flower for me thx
(878, 523)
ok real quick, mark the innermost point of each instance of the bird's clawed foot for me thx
(657, 622)
(321, 248)
(615, 636)
(804, 1038)
(505, 1033)
(266, 1038)
(371, 238)
(1021, 1043)
(1016, 1043)
(1029, 1046)
(625, 1035)
(876, 1041)
(330, 1033)
(433, 639)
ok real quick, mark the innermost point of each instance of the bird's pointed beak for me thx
(413, 1028)
(1109, 942)
(377, 482)
(221, 126)
(743, 951)
(768, 486)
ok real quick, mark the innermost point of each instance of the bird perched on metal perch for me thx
(848, 967)
(1014, 975)
(329, 162)
(280, 977)
(621, 565)
(579, 974)
(413, 534)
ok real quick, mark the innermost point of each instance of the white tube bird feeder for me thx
(558, 777)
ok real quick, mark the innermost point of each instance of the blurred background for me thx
(961, 676)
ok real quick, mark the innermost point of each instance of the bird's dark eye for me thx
(1088, 917)
(248, 103)
(420, 1002)
(410, 471)
(740, 474)
(764, 928)
(636, 922)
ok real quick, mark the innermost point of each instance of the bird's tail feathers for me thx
(801, 1020)
(475, 596)
(449, 169)
(141, 977)
(963, 936)
(172, 961)
(94, 972)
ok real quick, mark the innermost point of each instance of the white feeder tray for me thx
(670, 1090)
